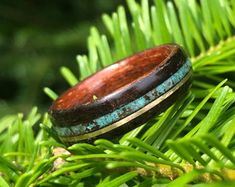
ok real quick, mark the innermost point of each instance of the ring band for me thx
(123, 95)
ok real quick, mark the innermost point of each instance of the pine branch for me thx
(192, 142)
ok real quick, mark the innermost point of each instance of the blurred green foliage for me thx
(36, 38)
(193, 140)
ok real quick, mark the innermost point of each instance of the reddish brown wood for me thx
(116, 85)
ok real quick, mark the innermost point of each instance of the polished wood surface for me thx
(116, 85)
(123, 95)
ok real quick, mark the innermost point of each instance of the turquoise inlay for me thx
(129, 108)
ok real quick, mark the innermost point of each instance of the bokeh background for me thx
(37, 37)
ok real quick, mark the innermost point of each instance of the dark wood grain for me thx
(116, 85)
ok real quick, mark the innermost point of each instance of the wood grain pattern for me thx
(103, 94)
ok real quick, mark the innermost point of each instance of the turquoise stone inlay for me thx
(129, 108)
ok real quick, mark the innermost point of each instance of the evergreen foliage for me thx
(191, 143)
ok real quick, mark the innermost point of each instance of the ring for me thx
(123, 95)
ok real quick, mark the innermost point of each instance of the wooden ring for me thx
(122, 96)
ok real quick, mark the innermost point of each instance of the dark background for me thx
(37, 37)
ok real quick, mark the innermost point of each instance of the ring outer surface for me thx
(85, 113)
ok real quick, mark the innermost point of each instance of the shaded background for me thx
(36, 38)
